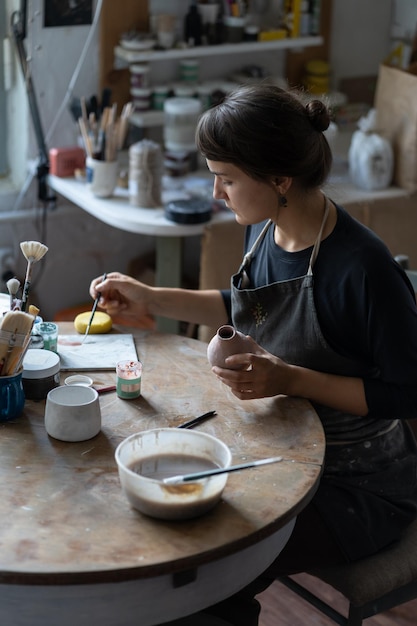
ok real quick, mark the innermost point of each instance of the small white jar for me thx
(40, 373)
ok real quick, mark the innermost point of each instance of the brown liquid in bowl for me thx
(163, 466)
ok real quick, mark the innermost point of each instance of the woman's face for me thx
(251, 200)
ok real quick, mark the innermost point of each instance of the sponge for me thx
(102, 323)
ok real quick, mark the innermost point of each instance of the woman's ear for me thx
(282, 183)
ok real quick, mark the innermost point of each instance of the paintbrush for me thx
(93, 311)
(33, 252)
(13, 287)
(188, 478)
(15, 330)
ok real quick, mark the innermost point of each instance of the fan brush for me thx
(33, 252)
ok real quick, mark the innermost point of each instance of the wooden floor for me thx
(282, 607)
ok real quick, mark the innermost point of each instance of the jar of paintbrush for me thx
(12, 396)
(103, 139)
(15, 334)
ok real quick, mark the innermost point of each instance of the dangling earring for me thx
(282, 200)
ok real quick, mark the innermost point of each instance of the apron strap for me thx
(247, 259)
(317, 243)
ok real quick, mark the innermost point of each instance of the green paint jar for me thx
(129, 378)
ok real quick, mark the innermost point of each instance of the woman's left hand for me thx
(255, 375)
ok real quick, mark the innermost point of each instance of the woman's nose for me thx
(218, 191)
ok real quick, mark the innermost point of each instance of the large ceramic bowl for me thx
(146, 458)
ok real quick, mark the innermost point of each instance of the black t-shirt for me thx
(365, 305)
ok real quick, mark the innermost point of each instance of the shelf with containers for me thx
(287, 43)
(126, 57)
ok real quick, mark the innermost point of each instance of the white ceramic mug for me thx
(101, 176)
(72, 413)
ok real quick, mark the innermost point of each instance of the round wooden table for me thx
(73, 551)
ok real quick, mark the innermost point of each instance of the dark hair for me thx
(268, 132)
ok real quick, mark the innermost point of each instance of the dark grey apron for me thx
(368, 492)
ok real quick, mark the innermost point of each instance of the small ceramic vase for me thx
(227, 341)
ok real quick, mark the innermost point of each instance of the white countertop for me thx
(116, 210)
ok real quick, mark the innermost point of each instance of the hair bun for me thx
(318, 115)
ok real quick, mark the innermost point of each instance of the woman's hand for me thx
(257, 375)
(127, 297)
(262, 375)
(122, 295)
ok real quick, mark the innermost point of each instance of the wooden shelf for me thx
(127, 14)
(296, 43)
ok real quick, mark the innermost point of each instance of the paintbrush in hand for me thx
(93, 311)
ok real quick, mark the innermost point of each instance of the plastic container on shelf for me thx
(181, 117)
(189, 70)
(234, 28)
(141, 98)
(159, 94)
(317, 76)
(139, 75)
(251, 32)
(184, 90)
(204, 94)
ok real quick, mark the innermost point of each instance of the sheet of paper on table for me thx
(98, 352)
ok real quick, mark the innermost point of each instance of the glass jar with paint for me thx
(129, 379)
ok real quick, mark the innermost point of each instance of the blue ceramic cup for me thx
(12, 396)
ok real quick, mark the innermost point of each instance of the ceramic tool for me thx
(198, 420)
(93, 311)
(186, 478)
(33, 252)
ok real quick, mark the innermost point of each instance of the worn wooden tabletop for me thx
(65, 518)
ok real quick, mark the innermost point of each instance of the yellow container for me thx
(317, 76)
(271, 35)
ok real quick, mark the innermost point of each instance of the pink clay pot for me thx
(227, 341)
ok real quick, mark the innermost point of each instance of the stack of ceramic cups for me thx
(145, 174)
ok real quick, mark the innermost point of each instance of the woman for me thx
(332, 316)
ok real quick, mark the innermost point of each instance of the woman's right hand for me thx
(121, 295)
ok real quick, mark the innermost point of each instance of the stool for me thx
(371, 585)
